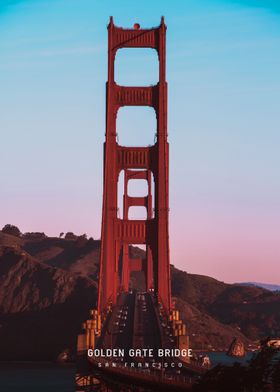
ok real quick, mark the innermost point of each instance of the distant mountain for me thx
(48, 285)
(267, 286)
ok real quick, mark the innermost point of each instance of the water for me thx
(46, 377)
(37, 377)
(217, 357)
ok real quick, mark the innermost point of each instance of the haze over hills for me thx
(48, 285)
(268, 286)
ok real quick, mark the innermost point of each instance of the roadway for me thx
(134, 324)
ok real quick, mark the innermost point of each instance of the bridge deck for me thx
(135, 323)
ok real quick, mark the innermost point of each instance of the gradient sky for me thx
(224, 130)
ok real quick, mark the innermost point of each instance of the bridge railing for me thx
(149, 373)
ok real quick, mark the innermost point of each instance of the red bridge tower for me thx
(137, 163)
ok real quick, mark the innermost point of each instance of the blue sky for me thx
(223, 62)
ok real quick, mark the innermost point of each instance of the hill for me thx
(41, 307)
(48, 284)
(248, 309)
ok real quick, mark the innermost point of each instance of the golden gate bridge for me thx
(136, 335)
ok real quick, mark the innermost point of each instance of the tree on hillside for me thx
(12, 230)
(81, 240)
(34, 235)
(70, 236)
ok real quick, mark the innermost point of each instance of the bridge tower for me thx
(137, 162)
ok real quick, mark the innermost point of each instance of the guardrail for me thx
(146, 375)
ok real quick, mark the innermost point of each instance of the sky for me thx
(223, 62)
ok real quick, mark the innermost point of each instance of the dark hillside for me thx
(41, 307)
